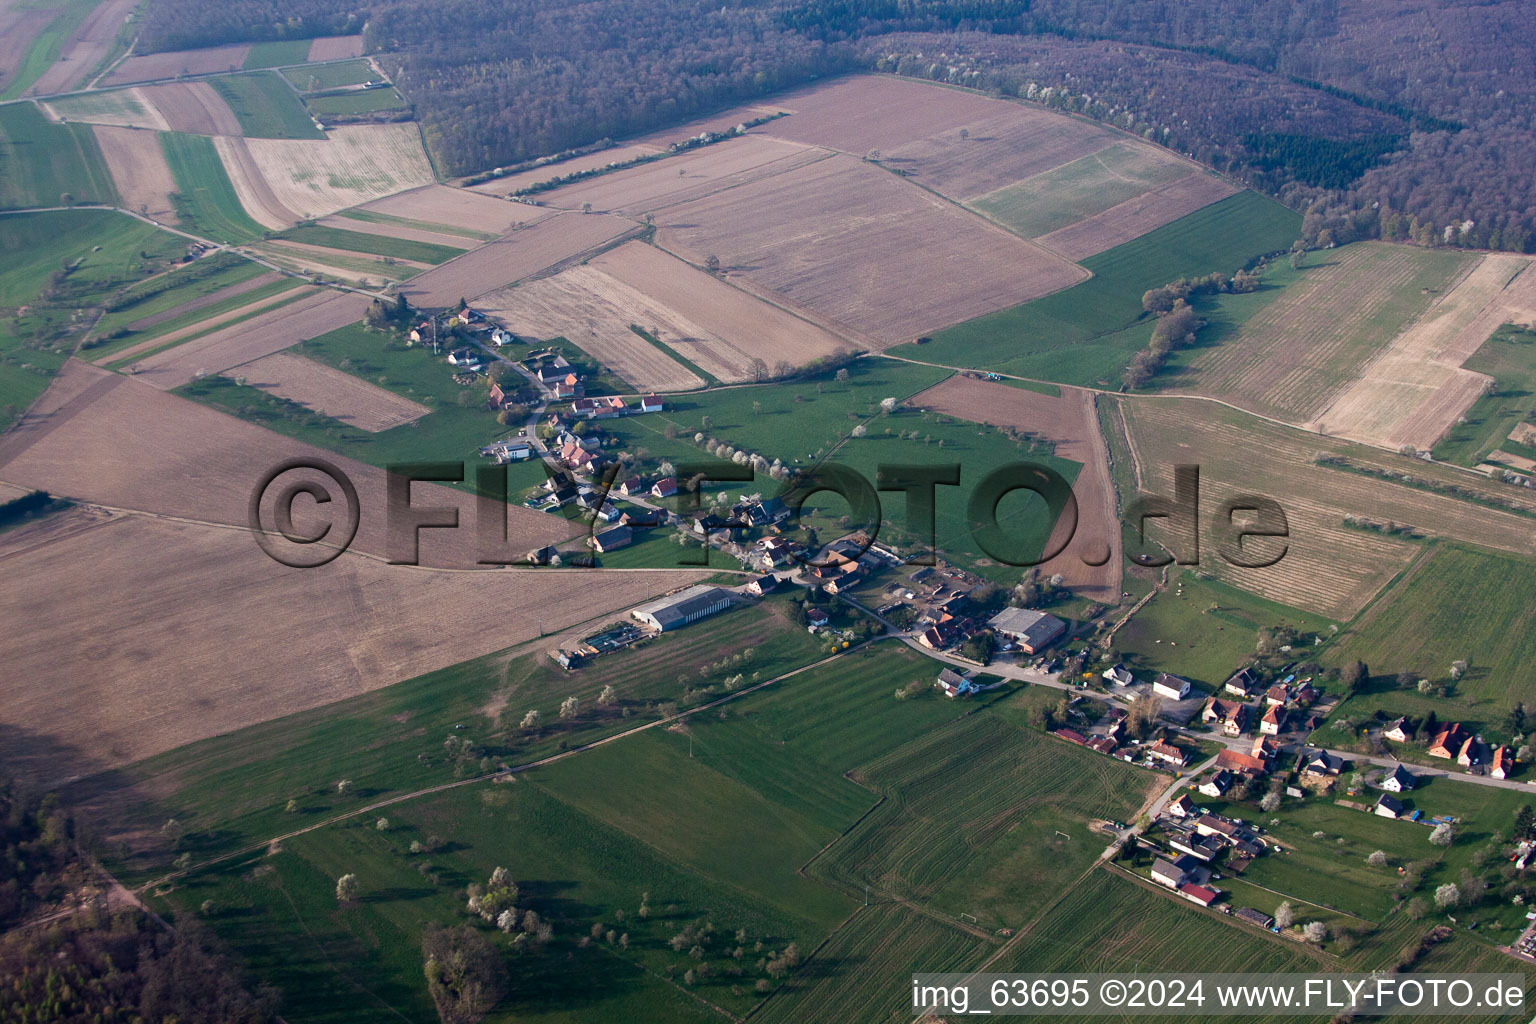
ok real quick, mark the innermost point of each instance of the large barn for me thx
(686, 606)
(1033, 631)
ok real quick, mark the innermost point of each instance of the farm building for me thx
(1033, 631)
(1199, 894)
(1254, 917)
(1399, 780)
(1170, 686)
(613, 539)
(683, 608)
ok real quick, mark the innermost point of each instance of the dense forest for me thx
(92, 964)
(1411, 119)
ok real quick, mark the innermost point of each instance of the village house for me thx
(1448, 742)
(1322, 763)
(650, 403)
(632, 487)
(1102, 744)
(1232, 716)
(643, 517)
(1183, 807)
(1389, 806)
(1243, 683)
(1278, 695)
(1171, 686)
(1467, 755)
(1399, 731)
(468, 358)
(1502, 763)
(816, 618)
(598, 408)
(1398, 780)
(1210, 825)
(1239, 763)
(1273, 720)
(666, 487)
(954, 684)
(757, 586)
(1176, 872)
(1198, 847)
(1119, 675)
(1217, 785)
(1168, 754)
(500, 337)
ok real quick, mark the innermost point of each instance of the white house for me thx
(1119, 675)
(1171, 687)
(1400, 780)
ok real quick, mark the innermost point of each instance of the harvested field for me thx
(738, 327)
(856, 246)
(136, 161)
(1414, 390)
(110, 611)
(593, 311)
(458, 208)
(687, 176)
(155, 66)
(312, 178)
(401, 231)
(305, 316)
(521, 254)
(1293, 357)
(863, 112)
(112, 440)
(1135, 217)
(1329, 568)
(1014, 143)
(576, 164)
(85, 49)
(335, 48)
(1071, 424)
(129, 108)
(211, 299)
(204, 325)
(1524, 433)
(329, 391)
(192, 107)
(251, 189)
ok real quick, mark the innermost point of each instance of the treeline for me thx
(89, 964)
(184, 24)
(1177, 322)
(1378, 126)
(498, 82)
